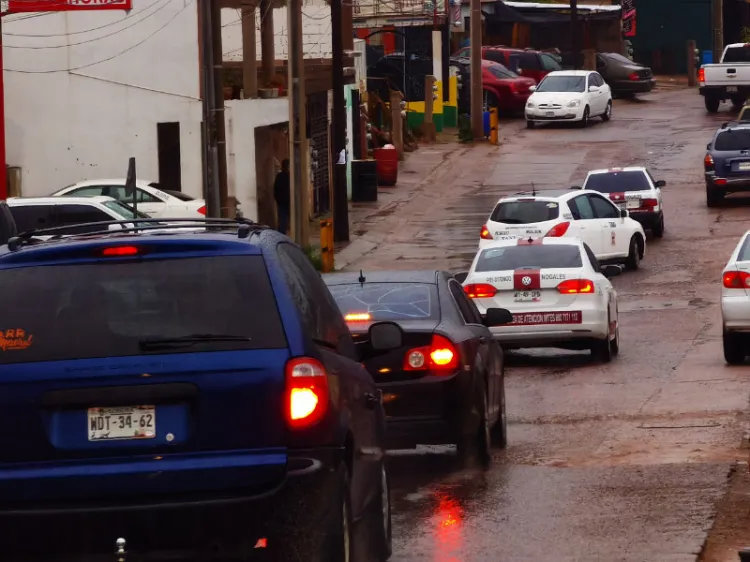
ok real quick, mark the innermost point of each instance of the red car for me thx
(526, 62)
(504, 89)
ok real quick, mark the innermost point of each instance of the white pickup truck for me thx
(727, 80)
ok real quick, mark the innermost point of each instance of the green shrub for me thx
(315, 258)
(465, 134)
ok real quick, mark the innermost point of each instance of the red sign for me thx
(17, 6)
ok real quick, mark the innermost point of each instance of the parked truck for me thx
(729, 79)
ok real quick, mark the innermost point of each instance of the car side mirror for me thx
(385, 336)
(661, 183)
(532, 88)
(611, 271)
(497, 317)
(593, 89)
(461, 276)
(624, 214)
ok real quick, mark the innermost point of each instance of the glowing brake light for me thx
(202, 210)
(708, 162)
(480, 291)
(634, 76)
(558, 230)
(358, 317)
(576, 286)
(485, 233)
(306, 396)
(701, 75)
(118, 251)
(440, 355)
(736, 280)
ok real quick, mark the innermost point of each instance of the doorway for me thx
(168, 147)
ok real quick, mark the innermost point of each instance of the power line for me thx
(108, 58)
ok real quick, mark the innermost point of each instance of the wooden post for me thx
(589, 59)
(691, 63)
(718, 25)
(397, 126)
(267, 48)
(477, 92)
(249, 55)
(428, 127)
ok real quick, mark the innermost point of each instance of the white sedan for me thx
(556, 290)
(152, 200)
(569, 95)
(735, 303)
(572, 213)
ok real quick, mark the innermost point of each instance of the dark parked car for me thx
(445, 384)
(727, 162)
(625, 77)
(197, 394)
(396, 72)
(7, 223)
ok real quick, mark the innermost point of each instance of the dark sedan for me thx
(727, 162)
(446, 383)
(624, 76)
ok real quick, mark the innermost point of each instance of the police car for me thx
(558, 293)
(634, 189)
(735, 303)
(610, 233)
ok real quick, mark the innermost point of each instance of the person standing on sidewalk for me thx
(283, 196)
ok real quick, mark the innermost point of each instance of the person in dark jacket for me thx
(283, 196)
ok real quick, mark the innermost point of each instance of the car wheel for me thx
(601, 350)
(734, 348)
(583, 123)
(530, 124)
(499, 432)
(477, 446)
(712, 104)
(714, 197)
(607, 115)
(634, 254)
(339, 540)
(614, 344)
(382, 519)
(658, 228)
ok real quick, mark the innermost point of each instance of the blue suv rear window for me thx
(77, 311)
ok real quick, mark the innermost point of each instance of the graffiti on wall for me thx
(628, 18)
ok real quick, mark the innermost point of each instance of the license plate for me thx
(731, 88)
(537, 318)
(550, 114)
(744, 166)
(633, 204)
(127, 422)
(527, 296)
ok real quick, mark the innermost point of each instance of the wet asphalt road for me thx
(618, 462)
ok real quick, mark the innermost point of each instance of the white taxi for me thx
(735, 303)
(573, 213)
(632, 188)
(559, 294)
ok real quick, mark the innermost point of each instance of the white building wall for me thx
(85, 90)
(316, 31)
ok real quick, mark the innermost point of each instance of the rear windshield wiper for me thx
(192, 339)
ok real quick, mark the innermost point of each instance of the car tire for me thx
(583, 123)
(714, 197)
(607, 115)
(734, 348)
(499, 432)
(530, 124)
(634, 254)
(658, 228)
(601, 350)
(476, 446)
(383, 534)
(339, 541)
(712, 104)
(614, 343)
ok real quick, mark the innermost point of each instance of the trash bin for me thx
(387, 165)
(486, 123)
(364, 181)
(708, 57)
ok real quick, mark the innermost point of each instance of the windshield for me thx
(125, 211)
(525, 212)
(555, 256)
(617, 182)
(562, 84)
(80, 311)
(737, 54)
(386, 301)
(499, 71)
(732, 141)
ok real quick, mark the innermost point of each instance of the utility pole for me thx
(297, 123)
(477, 120)
(338, 127)
(718, 21)
(3, 163)
(575, 38)
(218, 110)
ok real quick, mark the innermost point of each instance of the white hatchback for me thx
(558, 293)
(609, 231)
(569, 95)
(735, 303)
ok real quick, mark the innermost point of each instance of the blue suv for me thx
(184, 393)
(727, 162)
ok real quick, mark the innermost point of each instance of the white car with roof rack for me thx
(559, 294)
(735, 303)
(632, 188)
(572, 213)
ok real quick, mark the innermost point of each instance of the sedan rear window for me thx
(80, 311)
(555, 256)
(387, 301)
(618, 182)
(525, 212)
(731, 141)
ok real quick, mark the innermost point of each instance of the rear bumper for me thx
(735, 313)
(234, 519)
(646, 218)
(732, 184)
(721, 92)
(593, 327)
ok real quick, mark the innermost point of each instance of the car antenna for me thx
(533, 189)
(361, 279)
